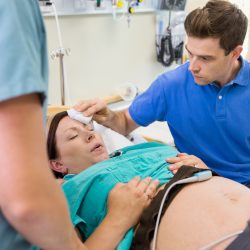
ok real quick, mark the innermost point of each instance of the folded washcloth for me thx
(76, 115)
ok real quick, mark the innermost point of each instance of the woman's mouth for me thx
(97, 147)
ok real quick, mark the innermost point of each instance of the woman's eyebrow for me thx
(71, 128)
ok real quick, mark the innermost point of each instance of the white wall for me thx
(245, 6)
(191, 4)
(104, 54)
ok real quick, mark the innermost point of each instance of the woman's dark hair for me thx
(51, 139)
(218, 19)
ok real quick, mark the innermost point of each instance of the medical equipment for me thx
(45, 6)
(118, 6)
(59, 53)
(169, 44)
(45, 3)
(128, 6)
(127, 91)
(132, 4)
(172, 4)
(165, 53)
(216, 242)
(200, 176)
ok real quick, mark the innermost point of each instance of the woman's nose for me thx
(90, 137)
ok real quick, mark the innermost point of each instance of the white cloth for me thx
(76, 115)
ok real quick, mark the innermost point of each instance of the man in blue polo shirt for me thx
(206, 101)
(33, 209)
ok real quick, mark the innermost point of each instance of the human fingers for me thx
(134, 182)
(177, 165)
(99, 107)
(173, 159)
(83, 105)
(182, 154)
(90, 107)
(143, 185)
(125, 203)
(177, 158)
(151, 190)
(188, 160)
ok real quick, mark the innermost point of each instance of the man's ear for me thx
(58, 166)
(237, 51)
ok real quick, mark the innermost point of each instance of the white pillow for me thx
(112, 140)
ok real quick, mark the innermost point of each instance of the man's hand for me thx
(96, 108)
(184, 159)
(119, 121)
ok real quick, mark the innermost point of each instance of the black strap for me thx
(145, 232)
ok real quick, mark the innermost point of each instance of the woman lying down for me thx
(213, 212)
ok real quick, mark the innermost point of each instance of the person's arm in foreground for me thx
(119, 121)
(125, 205)
(30, 199)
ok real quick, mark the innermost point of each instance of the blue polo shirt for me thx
(210, 122)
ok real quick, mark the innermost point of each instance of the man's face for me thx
(208, 61)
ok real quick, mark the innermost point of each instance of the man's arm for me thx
(119, 121)
(30, 198)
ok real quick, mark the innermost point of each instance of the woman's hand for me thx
(125, 205)
(184, 159)
(126, 202)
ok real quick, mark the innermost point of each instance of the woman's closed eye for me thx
(72, 137)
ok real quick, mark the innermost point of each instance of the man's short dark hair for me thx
(218, 19)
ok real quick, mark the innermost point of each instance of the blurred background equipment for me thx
(170, 33)
(175, 5)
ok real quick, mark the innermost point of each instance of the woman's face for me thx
(78, 146)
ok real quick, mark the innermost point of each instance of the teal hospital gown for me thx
(88, 191)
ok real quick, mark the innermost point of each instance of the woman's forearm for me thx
(126, 203)
(107, 236)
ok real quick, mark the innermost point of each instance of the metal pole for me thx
(62, 77)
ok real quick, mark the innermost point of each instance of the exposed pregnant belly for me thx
(204, 212)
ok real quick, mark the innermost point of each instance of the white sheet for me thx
(115, 141)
